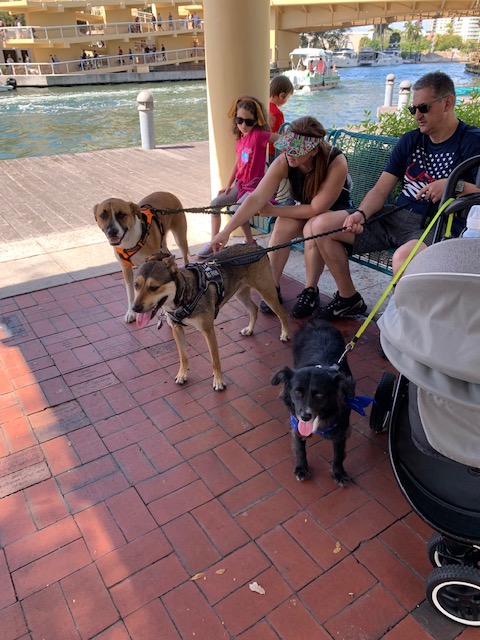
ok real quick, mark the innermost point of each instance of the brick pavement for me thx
(117, 487)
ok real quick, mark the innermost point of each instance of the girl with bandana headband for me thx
(319, 182)
(250, 128)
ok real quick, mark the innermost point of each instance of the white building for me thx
(466, 28)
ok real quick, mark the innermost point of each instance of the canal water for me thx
(67, 120)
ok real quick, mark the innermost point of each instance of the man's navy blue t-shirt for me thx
(417, 161)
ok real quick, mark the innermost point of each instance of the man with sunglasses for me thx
(422, 159)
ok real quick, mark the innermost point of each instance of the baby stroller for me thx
(430, 332)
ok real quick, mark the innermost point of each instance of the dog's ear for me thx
(135, 209)
(157, 257)
(95, 211)
(171, 263)
(345, 384)
(284, 375)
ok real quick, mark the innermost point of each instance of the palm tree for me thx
(413, 31)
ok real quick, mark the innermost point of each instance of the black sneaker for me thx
(308, 301)
(342, 307)
(264, 308)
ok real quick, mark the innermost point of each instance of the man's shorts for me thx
(390, 231)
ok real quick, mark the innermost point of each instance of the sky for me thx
(394, 25)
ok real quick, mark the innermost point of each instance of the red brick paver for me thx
(119, 486)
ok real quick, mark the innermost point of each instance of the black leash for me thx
(259, 252)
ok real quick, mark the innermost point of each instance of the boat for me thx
(368, 57)
(473, 65)
(312, 70)
(344, 58)
(10, 85)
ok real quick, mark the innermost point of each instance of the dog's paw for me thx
(219, 384)
(284, 336)
(302, 473)
(181, 377)
(340, 476)
(248, 331)
(130, 316)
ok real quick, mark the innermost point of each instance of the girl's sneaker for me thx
(206, 252)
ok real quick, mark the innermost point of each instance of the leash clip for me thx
(348, 347)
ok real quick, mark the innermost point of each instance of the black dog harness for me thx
(206, 274)
(149, 216)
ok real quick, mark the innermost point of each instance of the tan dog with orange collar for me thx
(135, 231)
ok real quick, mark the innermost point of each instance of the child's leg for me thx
(222, 200)
(216, 220)
(246, 228)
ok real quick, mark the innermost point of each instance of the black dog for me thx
(315, 393)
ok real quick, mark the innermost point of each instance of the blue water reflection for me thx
(68, 120)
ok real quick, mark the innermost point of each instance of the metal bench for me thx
(367, 157)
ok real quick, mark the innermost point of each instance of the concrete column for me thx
(237, 62)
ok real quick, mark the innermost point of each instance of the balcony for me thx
(85, 33)
(141, 62)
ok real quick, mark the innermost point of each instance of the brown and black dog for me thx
(136, 231)
(193, 295)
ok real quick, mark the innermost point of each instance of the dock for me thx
(134, 508)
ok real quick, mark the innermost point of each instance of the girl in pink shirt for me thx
(251, 129)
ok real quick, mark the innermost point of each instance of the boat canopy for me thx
(310, 52)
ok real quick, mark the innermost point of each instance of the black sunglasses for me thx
(423, 108)
(248, 121)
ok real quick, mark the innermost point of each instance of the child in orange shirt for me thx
(280, 91)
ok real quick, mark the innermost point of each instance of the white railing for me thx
(86, 32)
(105, 64)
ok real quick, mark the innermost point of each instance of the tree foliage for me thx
(448, 41)
(333, 39)
(399, 122)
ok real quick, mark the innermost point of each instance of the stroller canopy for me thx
(430, 332)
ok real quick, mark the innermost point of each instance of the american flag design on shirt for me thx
(425, 168)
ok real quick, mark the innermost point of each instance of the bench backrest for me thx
(367, 157)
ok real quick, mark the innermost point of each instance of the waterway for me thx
(67, 120)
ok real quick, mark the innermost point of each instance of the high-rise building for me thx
(466, 28)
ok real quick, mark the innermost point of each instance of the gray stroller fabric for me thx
(430, 332)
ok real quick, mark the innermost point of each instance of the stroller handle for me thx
(449, 191)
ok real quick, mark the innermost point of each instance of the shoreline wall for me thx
(80, 80)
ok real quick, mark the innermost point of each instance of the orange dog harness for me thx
(149, 216)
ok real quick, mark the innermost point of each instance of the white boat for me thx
(344, 58)
(9, 85)
(368, 57)
(312, 70)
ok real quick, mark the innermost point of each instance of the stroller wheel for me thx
(437, 551)
(381, 408)
(455, 592)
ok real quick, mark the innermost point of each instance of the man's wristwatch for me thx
(460, 186)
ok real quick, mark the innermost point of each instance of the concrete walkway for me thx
(48, 235)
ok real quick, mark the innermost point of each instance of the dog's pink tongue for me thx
(305, 428)
(143, 319)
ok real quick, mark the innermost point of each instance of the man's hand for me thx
(354, 223)
(433, 191)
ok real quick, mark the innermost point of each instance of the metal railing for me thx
(85, 32)
(105, 63)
